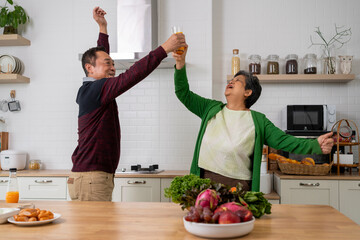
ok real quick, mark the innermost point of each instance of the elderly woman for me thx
(231, 137)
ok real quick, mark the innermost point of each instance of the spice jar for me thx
(34, 164)
(291, 66)
(255, 64)
(310, 63)
(273, 64)
(235, 62)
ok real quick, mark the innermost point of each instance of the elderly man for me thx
(96, 157)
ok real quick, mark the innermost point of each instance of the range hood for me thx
(137, 33)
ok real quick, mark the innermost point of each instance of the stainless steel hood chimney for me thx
(137, 32)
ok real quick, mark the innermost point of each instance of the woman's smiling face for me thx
(236, 87)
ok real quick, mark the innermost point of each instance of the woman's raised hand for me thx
(180, 59)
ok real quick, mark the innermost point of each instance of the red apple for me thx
(215, 217)
(220, 210)
(227, 217)
(244, 214)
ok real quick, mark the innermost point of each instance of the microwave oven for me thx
(308, 117)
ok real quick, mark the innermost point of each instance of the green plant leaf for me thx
(23, 18)
(10, 2)
(3, 16)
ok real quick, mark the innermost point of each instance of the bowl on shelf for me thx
(209, 230)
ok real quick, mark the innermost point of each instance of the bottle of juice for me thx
(12, 193)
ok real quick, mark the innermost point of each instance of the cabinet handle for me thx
(43, 181)
(136, 182)
(359, 185)
(4, 181)
(310, 184)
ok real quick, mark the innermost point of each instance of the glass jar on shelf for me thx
(291, 65)
(273, 64)
(34, 164)
(235, 62)
(255, 64)
(310, 64)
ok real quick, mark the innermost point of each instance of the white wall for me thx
(156, 128)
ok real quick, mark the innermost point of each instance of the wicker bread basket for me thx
(302, 169)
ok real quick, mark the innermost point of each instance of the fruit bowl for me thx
(209, 230)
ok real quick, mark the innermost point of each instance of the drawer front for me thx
(42, 188)
(136, 190)
(3, 187)
(319, 192)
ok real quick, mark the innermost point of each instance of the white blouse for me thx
(228, 143)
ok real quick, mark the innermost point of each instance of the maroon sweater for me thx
(98, 123)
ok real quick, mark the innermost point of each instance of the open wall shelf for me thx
(13, 40)
(13, 78)
(303, 78)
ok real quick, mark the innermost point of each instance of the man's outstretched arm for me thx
(99, 17)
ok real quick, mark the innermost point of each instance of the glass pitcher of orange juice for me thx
(175, 30)
(12, 193)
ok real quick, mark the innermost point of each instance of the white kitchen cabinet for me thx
(349, 199)
(165, 183)
(41, 188)
(318, 192)
(136, 190)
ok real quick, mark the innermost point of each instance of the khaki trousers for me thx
(91, 186)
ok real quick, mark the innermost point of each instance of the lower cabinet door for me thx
(52, 188)
(3, 187)
(165, 183)
(318, 192)
(349, 199)
(136, 190)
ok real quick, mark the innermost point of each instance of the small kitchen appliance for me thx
(308, 117)
(13, 159)
(152, 169)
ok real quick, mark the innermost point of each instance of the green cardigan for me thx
(265, 131)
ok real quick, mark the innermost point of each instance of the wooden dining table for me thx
(140, 220)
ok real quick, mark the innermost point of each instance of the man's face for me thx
(236, 88)
(104, 66)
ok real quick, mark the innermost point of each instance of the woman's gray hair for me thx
(252, 83)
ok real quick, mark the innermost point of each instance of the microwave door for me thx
(325, 116)
(305, 117)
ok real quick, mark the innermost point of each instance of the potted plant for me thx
(328, 46)
(10, 19)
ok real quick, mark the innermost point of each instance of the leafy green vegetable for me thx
(184, 190)
(258, 204)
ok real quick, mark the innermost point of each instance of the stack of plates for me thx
(11, 64)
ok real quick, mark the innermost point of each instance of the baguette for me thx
(308, 161)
